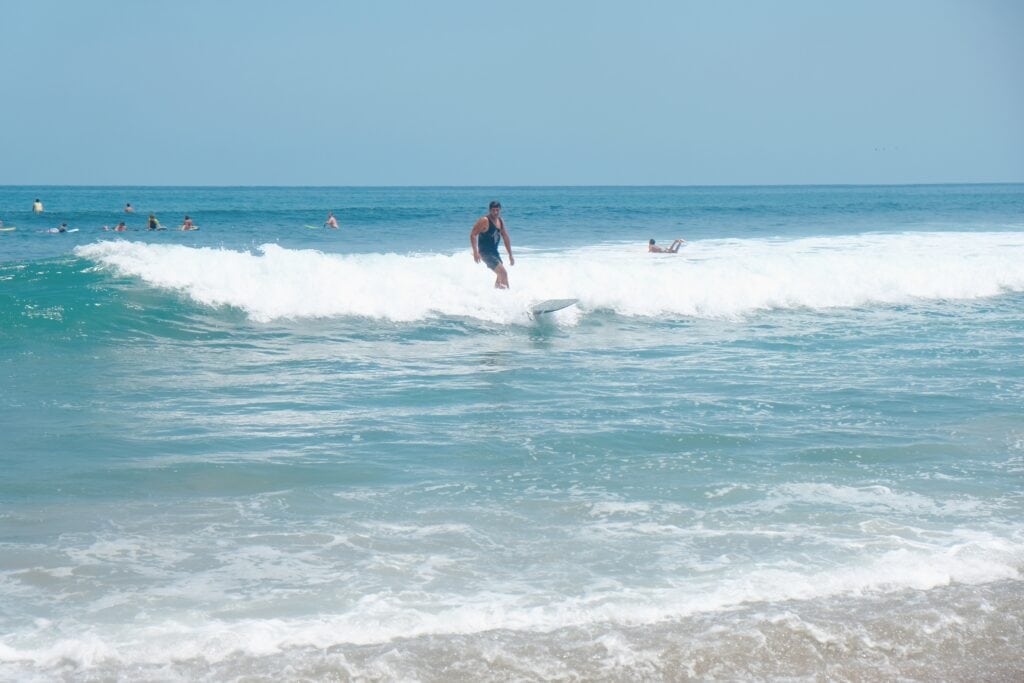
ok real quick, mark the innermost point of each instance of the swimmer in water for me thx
(655, 249)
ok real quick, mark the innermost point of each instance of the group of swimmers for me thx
(153, 223)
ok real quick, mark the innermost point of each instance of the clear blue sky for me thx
(382, 92)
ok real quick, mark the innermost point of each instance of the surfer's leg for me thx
(502, 280)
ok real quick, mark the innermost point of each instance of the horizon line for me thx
(568, 186)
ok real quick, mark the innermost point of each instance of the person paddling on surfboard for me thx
(655, 249)
(484, 237)
(331, 221)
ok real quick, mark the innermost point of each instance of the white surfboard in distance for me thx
(550, 305)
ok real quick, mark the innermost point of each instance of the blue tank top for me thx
(488, 241)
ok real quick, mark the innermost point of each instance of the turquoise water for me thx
(796, 448)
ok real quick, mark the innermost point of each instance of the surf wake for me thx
(708, 279)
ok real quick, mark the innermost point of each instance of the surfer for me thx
(120, 227)
(484, 237)
(128, 208)
(154, 224)
(655, 249)
(188, 225)
(331, 221)
(37, 206)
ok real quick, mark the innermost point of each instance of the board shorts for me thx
(492, 260)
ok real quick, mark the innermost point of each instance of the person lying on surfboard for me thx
(487, 232)
(654, 249)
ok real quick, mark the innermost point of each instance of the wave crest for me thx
(708, 279)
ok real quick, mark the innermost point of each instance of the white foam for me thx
(875, 498)
(388, 615)
(709, 278)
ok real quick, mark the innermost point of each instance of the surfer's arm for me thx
(478, 228)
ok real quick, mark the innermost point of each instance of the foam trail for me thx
(708, 279)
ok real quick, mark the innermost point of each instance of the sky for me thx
(658, 92)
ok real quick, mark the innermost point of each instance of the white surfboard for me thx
(550, 305)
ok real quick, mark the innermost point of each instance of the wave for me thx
(725, 278)
(395, 615)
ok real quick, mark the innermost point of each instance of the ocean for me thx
(260, 451)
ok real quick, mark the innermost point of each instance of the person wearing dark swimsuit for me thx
(487, 232)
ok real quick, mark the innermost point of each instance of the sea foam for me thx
(385, 617)
(726, 278)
